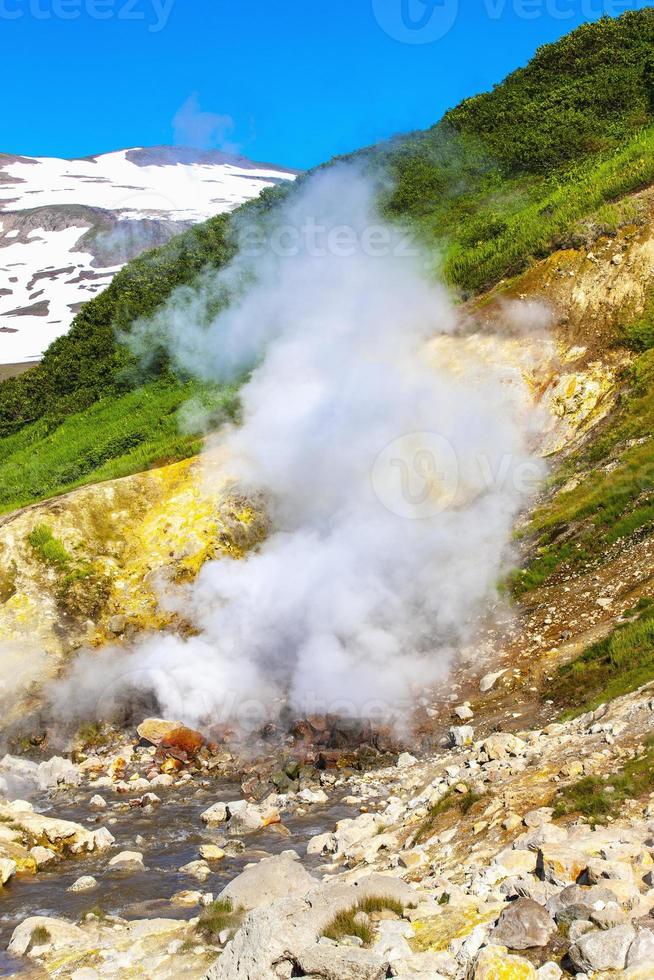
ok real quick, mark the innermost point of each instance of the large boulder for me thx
(153, 730)
(603, 950)
(40, 932)
(274, 937)
(337, 963)
(502, 745)
(57, 772)
(523, 925)
(271, 879)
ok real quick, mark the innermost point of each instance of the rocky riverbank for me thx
(473, 861)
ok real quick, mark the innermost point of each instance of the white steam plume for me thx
(393, 484)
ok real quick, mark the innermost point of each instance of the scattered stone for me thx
(488, 681)
(502, 745)
(271, 879)
(211, 852)
(42, 856)
(187, 898)
(603, 950)
(197, 869)
(98, 802)
(84, 884)
(406, 760)
(462, 735)
(523, 925)
(313, 796)
(464, 712)
(215, 815)
(127, 861)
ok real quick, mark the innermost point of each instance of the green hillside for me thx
(504, 178)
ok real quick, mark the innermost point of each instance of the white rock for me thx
(462, 735)
(84, 884)
(43, 856)
(313, 796)
(488, 681)
(7, 869)
(406, 760)
(98, 802)
(215, 815)
(127, 861)
(57, 772)
(60, 932)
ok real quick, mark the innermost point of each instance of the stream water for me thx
(172, 835)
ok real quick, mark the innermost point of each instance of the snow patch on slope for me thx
(128, 200)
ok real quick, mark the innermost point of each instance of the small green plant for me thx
(380, 903)
(597, 799)
(345, 922)
(620, 663)
(216, 917)
(93, 734)
(452, 800)
(40, 936)
(49, 550)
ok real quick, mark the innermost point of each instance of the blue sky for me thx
(290, 81)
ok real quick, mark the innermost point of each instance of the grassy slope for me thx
(501, 180)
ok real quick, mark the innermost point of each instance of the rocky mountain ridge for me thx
(67, 226)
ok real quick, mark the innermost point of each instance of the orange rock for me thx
(155, 729)
(182, 739)
(272, 817)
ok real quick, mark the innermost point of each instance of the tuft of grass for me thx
(620, 663)
(49, 550)
(40, 936)
(220, 915)
(451, 800)
(598, 799)
(380, 903)
(344, 924)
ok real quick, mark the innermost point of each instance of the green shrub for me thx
(49, 549)
(216, 917)
(598, 799)
(620, 663)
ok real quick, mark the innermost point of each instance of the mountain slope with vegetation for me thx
(504, 179)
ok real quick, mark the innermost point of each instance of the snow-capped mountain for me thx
(67, 226)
